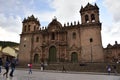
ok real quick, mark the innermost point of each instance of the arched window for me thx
(24, 45)
(37, 39)
(28, 27)
(25, 28)
(92, 17)
(53, 36)
(74, 35)
(86, 19)
(74, 57)
(52, 54)
(91, 40)
(36, 58)
(34, 28)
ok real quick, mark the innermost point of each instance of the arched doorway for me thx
(52, 54)
(36, 58)
(74, 57)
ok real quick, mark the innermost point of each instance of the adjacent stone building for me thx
(73, 42)
(112, 53)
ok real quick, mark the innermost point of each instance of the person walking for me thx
(109, 69)
(7, 64)
(30, 68)
(42, 66)
(1, 63)
(63, 69)
(13, 64)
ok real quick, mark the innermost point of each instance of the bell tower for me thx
(89, 14)
(30, 24)
(91, 42)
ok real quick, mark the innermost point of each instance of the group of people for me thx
(42, 67)
(10, 62)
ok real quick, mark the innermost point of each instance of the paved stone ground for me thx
(22, 74)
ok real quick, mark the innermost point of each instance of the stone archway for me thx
(36, 58)
(52, 54)
(74, 57)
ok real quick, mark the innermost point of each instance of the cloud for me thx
(11, 14)
(113, 7)
(10, 23)
(42, 16)
(68, 10)
(111, 31)
(110, 34)
(64, 10)
(9, 36)
(10, 28)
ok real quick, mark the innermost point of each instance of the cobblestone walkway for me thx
(51, 75)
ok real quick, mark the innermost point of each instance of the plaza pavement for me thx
(22, 74)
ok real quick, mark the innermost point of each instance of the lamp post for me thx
(91, 40)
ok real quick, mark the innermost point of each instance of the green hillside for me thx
(8, 43)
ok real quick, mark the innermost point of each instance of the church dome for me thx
(54, 24)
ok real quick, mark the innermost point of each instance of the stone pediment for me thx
(54, 25)
(73, 47)
(37, 49)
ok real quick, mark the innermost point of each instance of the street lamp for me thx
(91, 40)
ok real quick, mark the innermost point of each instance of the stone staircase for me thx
(84, 67)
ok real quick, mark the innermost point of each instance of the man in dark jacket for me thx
(7, 64)
(13, 64)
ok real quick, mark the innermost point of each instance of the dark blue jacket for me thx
(7, 64)
(1, 63)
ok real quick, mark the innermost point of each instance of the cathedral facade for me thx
(74, 42)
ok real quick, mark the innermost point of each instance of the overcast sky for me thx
(12, 13)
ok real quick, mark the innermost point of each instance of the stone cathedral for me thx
(72, 42)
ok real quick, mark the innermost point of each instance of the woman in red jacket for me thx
(30, 68)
